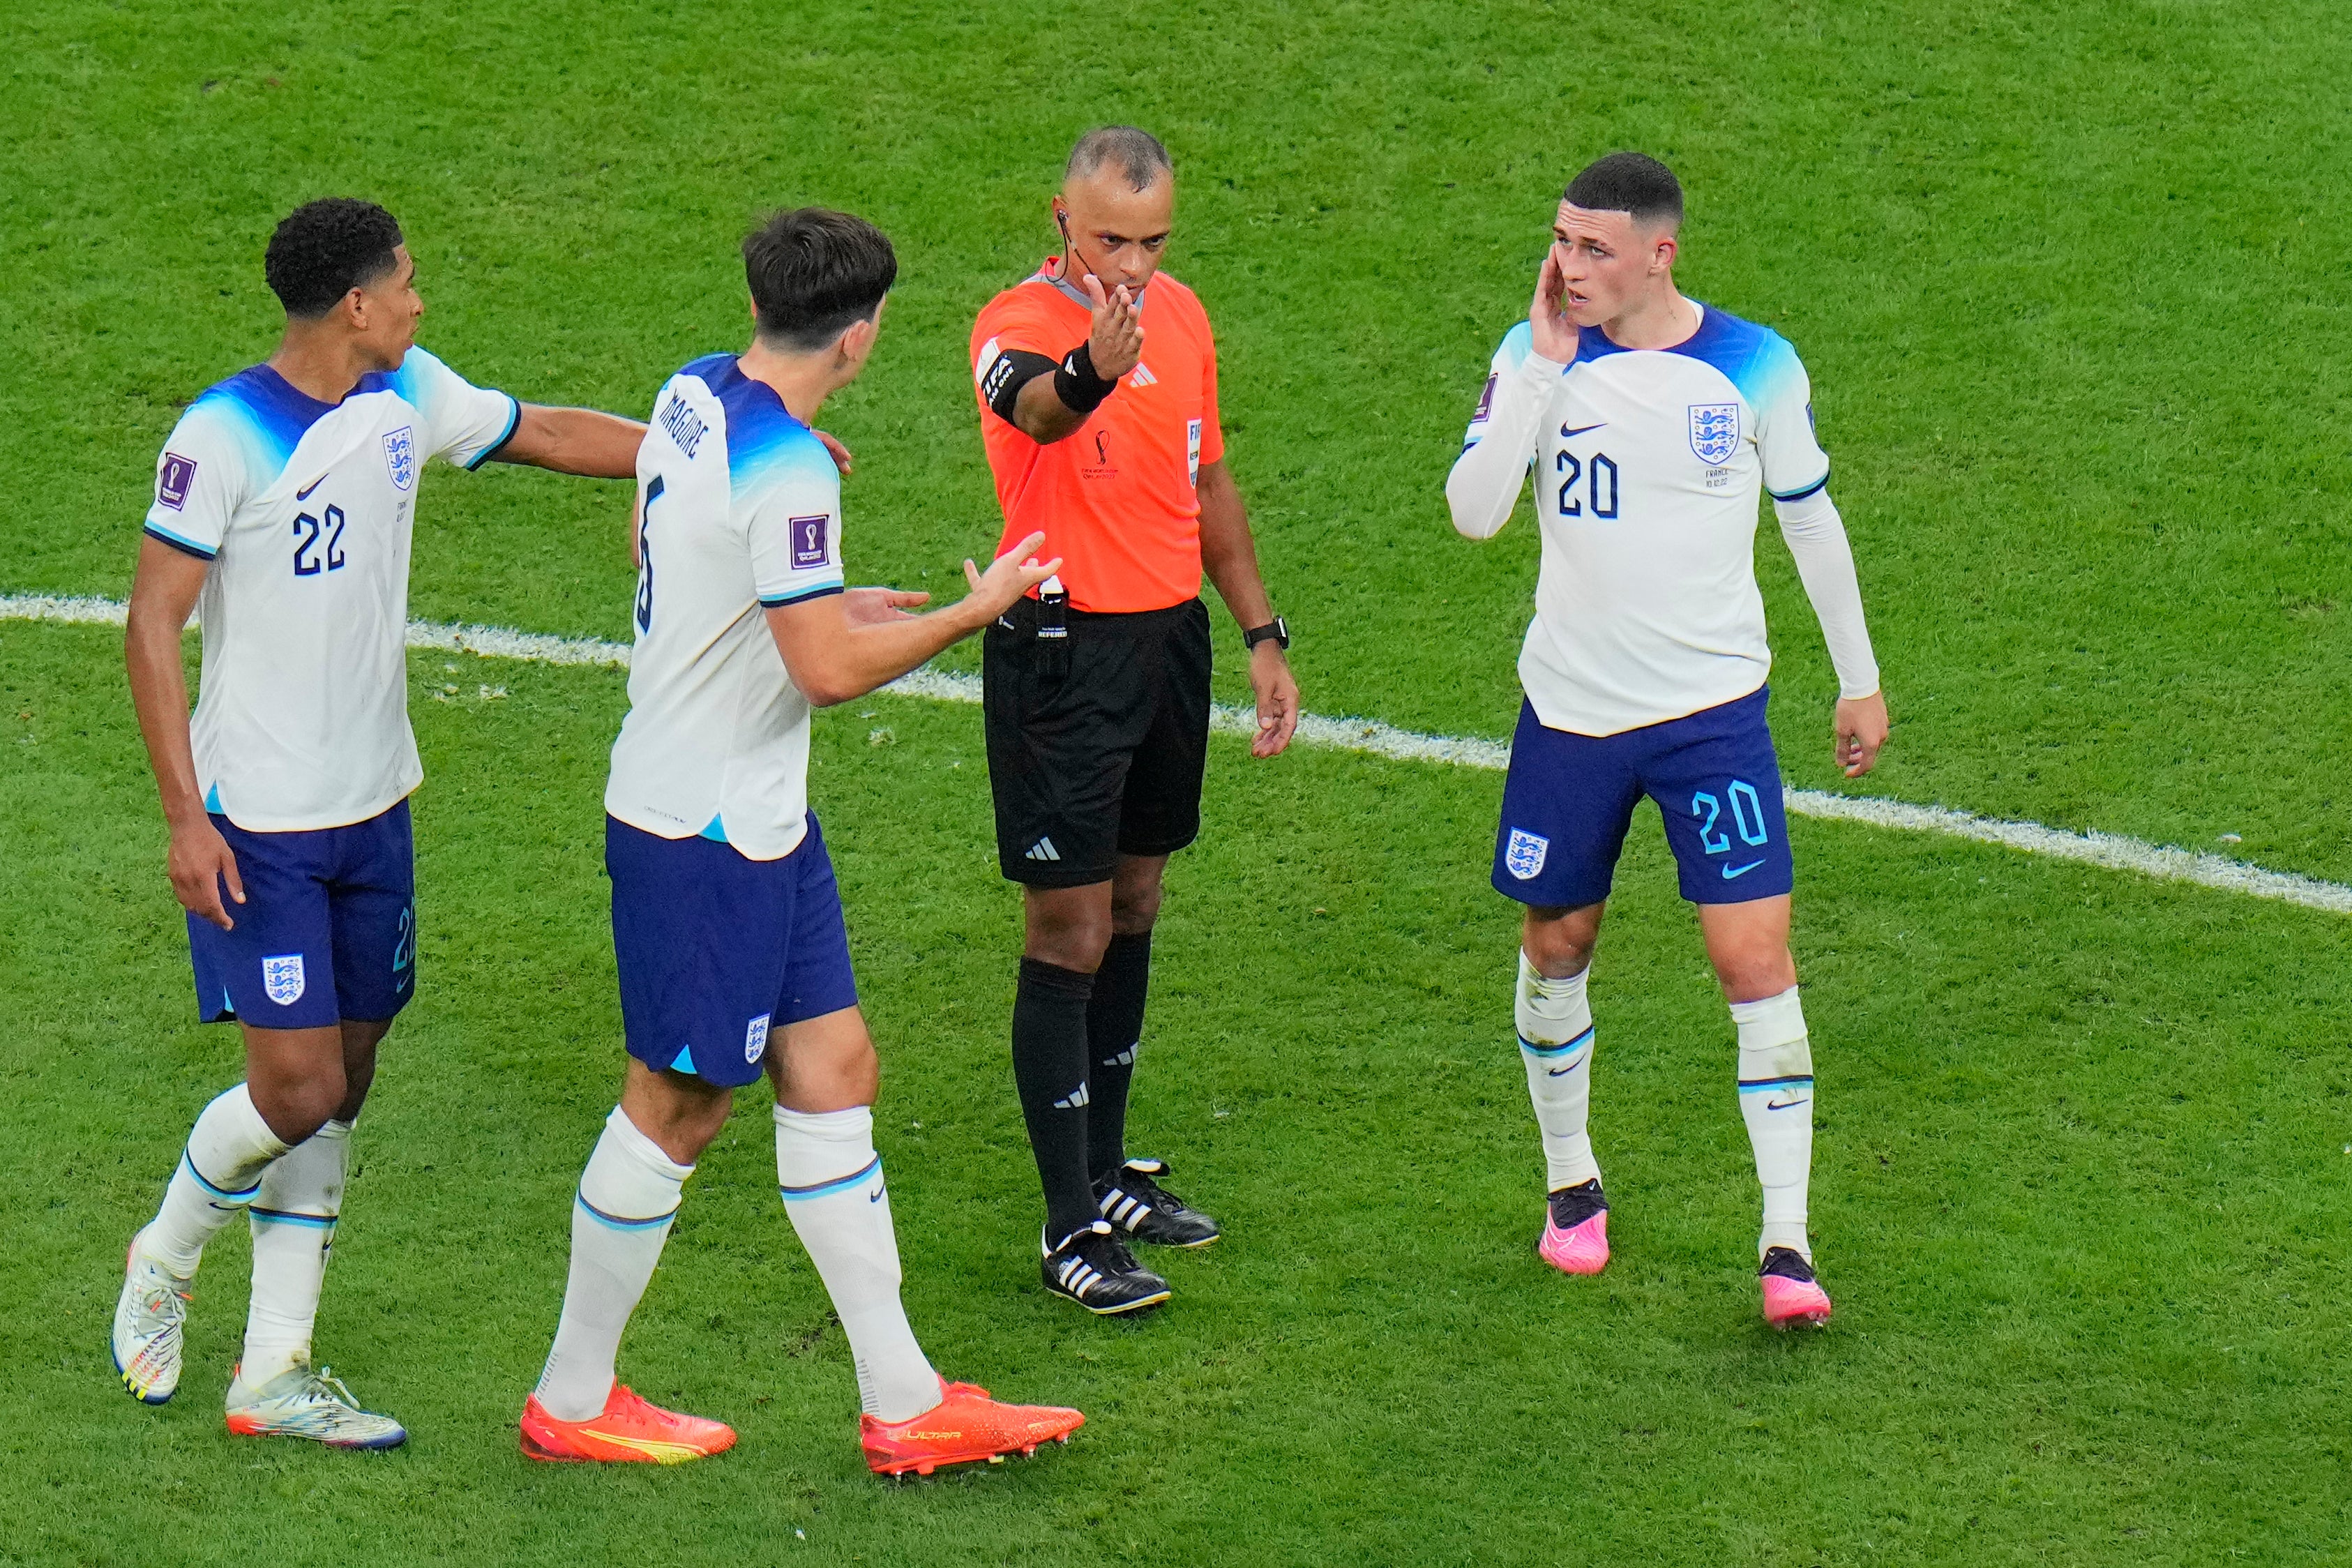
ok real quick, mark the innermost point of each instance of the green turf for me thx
(2068, 281)
(2087, 1298)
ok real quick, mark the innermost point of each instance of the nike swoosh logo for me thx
(1557, 1071)
(305, 494)
(1731, 871)
(1565, 431)
(875, 1196)
(1786, 1104)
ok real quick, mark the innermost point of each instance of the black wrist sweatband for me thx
(1076, 384)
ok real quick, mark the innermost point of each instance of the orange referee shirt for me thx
(1115, 499)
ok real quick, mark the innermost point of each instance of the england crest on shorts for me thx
(755, 1038)
(1523, 857)
(400, 457)
(1714, 430)
(281, 978)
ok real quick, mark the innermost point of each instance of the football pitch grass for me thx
(2068, 280)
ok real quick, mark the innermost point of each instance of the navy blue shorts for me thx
(716, 950)
(1569, 799)
(327, 931)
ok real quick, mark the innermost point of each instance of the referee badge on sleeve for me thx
(1523, 857)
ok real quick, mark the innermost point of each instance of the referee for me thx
(1097, 387)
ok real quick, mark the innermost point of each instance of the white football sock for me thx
(628, 1196)
(1556, 1043)
(228, 1150)
(832, 1184)
(293, 1219)
(1776, 1100)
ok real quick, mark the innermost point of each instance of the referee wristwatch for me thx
(1276, 631)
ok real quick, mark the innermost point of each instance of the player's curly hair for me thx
(323, 249)
(813, 272)
(1629, 182)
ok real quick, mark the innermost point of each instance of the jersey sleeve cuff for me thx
(514, 421)
(184, 546)
(800, 595)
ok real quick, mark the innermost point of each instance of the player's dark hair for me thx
(1629, 182)
(1138, 155)
(814, 272)
(323, 249)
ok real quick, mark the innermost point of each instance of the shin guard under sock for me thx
(1049, 1069)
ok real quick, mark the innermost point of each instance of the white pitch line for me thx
(2113, 851)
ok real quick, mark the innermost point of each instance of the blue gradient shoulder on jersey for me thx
(1757, 360)
(766, 447)
(1517, 344)
(264, 416)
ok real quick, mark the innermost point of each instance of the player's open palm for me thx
(871, 607)
(1116, 344)
(1553, 334)
(1008, 577)
(200, 862)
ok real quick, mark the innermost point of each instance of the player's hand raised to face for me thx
(1008, 577)
(1116, 341)
(1555, 335)
(868, 606)
(201, 862)
(1861, 730)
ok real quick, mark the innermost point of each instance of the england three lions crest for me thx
(1523, 857)
(1715, 430)
(282, 979)
(400, 457)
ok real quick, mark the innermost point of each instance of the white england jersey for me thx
(1647, 466)
(741, 512)
(305, 509)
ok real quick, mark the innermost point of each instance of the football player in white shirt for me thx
(285, 499)
(727, 921)
(1651, 423)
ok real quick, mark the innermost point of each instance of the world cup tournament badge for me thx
(1523, 857)
(281, 978)
(400, 457)
(1714, 430)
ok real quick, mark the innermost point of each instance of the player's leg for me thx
(370, 891)
(1718, 788)
(1567, 802)
(628, 1196)
(699, 941)
(275, 967)
(1160, 812)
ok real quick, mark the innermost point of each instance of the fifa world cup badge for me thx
(400, 457)
(1523, 857)
(1714, 430)
(281, 978)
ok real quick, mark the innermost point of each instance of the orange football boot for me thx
(964, 1428)
(627, 1431)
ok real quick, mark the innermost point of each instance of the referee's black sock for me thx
(1114, 1025)
(1049, 1068)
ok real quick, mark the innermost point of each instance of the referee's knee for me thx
(1067, 928)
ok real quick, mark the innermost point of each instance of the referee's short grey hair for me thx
(1137, 154)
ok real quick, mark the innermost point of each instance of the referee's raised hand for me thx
(1116, 341)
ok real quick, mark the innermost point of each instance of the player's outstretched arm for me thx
(1229, 556)
(574, 441)
(843, 646)
(161, 596)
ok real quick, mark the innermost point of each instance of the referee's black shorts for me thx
(1095, 743)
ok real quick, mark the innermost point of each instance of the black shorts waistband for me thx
(1022, 616)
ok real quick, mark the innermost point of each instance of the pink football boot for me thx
(1793, 1297)
(1576, 1229)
